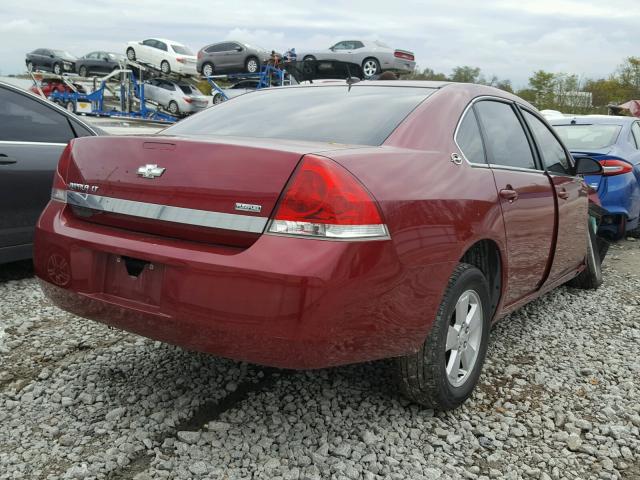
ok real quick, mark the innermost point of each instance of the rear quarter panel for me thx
(435, 209)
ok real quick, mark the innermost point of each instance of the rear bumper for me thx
(400, 65)
(284, 302)
(620, 196)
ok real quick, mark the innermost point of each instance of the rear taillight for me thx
(403, 55)
(59, 189)
(614, 166)
(324, 200)
(187, 99)
(181, 60)
(200, 54)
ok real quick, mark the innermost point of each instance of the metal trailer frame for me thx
(128, 85)
(269, 76)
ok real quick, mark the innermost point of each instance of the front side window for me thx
(505, 139)
(551, 150)
(24, 119)
(469, 138)
(340, 46)
(149, 43)
(161, 46)
(335, 114)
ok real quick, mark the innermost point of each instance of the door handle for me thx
(509, 194)
(4, 160)
(563, 194)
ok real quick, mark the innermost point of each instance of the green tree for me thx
(543, 85)
(427, 74)
(629, 74)
(465, 74)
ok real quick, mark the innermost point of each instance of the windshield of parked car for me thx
(362, 115)
(588, 137)
(181, 50)
(63, 54)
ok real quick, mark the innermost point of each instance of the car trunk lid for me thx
(207, 190)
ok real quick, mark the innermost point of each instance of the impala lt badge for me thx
(248, 207)
(83, 187)
(150, 171)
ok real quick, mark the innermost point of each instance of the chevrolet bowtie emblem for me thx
(150, 171)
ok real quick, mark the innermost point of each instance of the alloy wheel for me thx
(370, 68)
(131, 54)
(463, 338)
(252, 66)
(207, 70)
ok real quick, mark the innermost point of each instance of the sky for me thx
(507, 38)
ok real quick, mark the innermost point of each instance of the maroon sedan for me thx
(307, 227)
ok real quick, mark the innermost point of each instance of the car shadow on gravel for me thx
(16, 270)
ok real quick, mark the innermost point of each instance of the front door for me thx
(526, 197)
(572, 198)
(31, 142)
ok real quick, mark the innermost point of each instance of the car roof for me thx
(166, 40)
(594, 119)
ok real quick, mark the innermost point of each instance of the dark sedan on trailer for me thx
(47, 59)
(33, 135)
(98, 63)
(305, 227)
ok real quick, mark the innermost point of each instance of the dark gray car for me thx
(230, 57)
(98, 63)
(33, 135)
(56, 61)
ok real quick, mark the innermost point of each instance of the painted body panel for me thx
(299, 302)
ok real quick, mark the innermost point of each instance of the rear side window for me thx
(505, 139)
(360, 115)
(552, 152)
(469, 138)
(24, 119)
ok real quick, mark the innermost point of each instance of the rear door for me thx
(235, 57)
(526, 197)
(31, 141)
(572, 198)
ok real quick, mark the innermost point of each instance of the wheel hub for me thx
(463, 338)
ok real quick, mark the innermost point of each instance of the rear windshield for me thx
(189, 90)
(180, 50)
(364, 115)
(63, 54)
(588, 137)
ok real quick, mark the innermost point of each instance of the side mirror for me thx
(238, 49)
(588, 166)
(51, 56)
(106, 59)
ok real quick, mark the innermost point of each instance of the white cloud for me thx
(21, 25)
(503, 37)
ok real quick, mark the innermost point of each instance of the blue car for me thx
(615, 143)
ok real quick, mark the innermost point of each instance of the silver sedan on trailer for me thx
(374, 56)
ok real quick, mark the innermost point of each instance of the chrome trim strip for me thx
(517, 169)
(17, 142)
(168, 213)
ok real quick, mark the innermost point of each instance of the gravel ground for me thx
(559, 398)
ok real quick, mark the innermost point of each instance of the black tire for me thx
(165, 67)
(591, 277)
(603, 247)
(70, 106)
(30, 67)
(252, 65)
(207, 69)
(309, 57)
(370, 67)
(131, 54)
(173, 108)
(422, 376)
(57, 69)
(82, 71)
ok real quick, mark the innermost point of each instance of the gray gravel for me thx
(559, 398)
